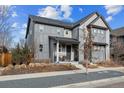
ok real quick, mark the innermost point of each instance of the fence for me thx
(5, 59)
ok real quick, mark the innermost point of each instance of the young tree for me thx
(88, 44)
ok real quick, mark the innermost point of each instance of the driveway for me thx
(53, 81)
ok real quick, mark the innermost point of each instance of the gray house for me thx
(117, 43)
(64, 42)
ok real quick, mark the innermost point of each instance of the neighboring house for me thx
(117, 42)
(64, 42)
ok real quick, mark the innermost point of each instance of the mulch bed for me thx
(103, 64)
(36, 67)
(109, 64)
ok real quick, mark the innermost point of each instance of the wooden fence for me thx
(5, 59)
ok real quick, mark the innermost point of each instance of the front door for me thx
(68, 51)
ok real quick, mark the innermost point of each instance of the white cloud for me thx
(14, 25)
(113, 9)
(109, 18)
(56, 12)
(14, 14)
(24, 25)
(49, 12)
(67, 11)
(81, 10)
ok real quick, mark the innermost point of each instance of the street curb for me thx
(93, 84)
(38, 75)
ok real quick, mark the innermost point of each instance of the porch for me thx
(63, 49)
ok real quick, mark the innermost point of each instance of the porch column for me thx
(72, 54)
(57, 52)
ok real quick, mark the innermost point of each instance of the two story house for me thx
(117, 43)
(64, 42)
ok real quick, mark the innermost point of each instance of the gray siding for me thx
(99, 22)
(81, 37)
(30, 36)
(75, 33)
(42, 37)
(98, 35)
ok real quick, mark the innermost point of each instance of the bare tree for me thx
(22, 43)
(88, 45)
(117, 50)
(5, 26)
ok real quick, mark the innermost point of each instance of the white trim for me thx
(57, 52)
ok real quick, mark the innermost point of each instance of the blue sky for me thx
(113, 14)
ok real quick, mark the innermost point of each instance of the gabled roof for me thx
(49, 21)
(58, 22)
(54, 22)
(103, 19)
(84, 19)
(118, 32)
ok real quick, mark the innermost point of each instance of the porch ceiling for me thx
(65, 40)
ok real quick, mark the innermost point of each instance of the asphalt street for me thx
(53, 81)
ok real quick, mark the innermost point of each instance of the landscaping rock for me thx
(23, 66)
(17, 67)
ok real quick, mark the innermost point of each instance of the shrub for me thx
(23, 66)
(36, 67)
(17, 66)
(31, 65)
(108, 63)
(47, 61)
(21, 55)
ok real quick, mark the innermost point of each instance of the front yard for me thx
(103, 64)
(35, 68)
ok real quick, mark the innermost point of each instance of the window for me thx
(59, 48)
(41, 28)
(41, 47)
(58, 31)
(102, 32)
(66, 32)
(98, 31)
(94, 30)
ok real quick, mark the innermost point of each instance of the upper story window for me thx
(66, 32)
(41, 28)
(95, 31)
(102, 31)
(58, 31)
(41, 47)
(98, 31)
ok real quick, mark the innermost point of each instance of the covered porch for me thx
(63, 49)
